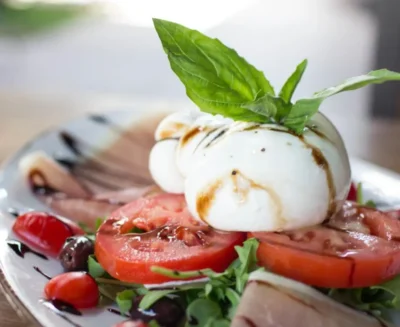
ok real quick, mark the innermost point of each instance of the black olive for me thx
(75, 252)
(166, 311)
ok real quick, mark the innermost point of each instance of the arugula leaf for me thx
(216, 78)
(376, 300)
(95, 269)
(247, 255)
(201, 312)
(290, 85)
(152, 297)
(124, 300)
(304, 109)
(220, 294)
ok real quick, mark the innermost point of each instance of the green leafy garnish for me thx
(377, 300)
(152, 297)
(360, 198)
(210, 302)
(94, 268)
(216, 78)
(203, 311)
(290, 85)
(85, 228)
(90, 233)
(219, 81)
(124, 300)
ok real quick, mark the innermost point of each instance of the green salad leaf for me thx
(94, 268)
(377, 300)
(210, 302)
(124, 300)
(153, 296)
(219, 81)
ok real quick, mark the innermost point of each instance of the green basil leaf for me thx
(290, 85)
(94, 268)
(152, 297)
(273, 108)
(216, 78)
(124, 300)
(201, 311)
(304, 109)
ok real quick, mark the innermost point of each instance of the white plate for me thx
(381, 185)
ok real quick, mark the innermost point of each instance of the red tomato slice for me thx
(357, 248)
(172, 239)
(44, 231)
(78, 289)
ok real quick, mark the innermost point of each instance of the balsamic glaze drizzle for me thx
(20, 249)
(77, 146)
(71, 143)
(59, 307)
(117, 312)
(41, 272)
(14, 212)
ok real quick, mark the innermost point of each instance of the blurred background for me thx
(60, 59)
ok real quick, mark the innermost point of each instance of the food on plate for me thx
(44, 231)
(69, 195)
(43, 173)
(358, 247)
(267, 297)
(74, 254)
(254, 212)
(159, 230)
(275, 178)
(78, 289)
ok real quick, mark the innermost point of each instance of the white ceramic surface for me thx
(381, 185)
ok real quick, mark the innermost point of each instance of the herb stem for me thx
(100, 280)
(185, 274)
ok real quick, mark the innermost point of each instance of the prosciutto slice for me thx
(270, 300)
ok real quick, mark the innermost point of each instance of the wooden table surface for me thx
(24, 116)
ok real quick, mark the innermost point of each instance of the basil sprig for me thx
(219, 81)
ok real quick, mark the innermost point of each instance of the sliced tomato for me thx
(170, 238)
(357, 248)
(44, 231)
